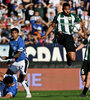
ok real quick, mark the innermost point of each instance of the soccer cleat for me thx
(82, 95)
(69, 61)
(28, 96)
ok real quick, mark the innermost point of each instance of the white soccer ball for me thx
(76, 28)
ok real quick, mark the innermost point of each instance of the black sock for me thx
(85, 90)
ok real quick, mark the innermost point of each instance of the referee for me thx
(64, 21)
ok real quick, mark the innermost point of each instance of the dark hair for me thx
(8, 80)
(65, 4)
(14, 29)
(22, 26)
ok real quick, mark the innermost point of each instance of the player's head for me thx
(66, 8)
(15, 33)
(8, 81)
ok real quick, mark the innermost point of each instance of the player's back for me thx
(11, 89)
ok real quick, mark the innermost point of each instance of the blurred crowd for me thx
(33, 17)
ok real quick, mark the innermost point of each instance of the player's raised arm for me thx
(51, 27)
(84, 29)
(49, 30)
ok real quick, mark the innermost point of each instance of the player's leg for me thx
(70, 49)
(25, 85)
(13, 69)
(87, 85)
(23, 71)
(71, 56)
(84, 76)
(9, 72)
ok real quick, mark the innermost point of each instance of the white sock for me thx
(25, 85)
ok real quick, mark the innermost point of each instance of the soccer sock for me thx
(26, 87)
(85, 90)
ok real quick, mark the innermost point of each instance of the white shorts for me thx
(21, 65)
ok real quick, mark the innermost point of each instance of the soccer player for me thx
(85, 69)
(17, 51)
(65, 20)
(8, 86)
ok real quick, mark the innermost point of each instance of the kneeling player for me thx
(8, 86)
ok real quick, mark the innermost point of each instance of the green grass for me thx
(52, 95)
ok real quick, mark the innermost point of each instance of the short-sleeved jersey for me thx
(12, 90)
(16, 46)
(65, 23)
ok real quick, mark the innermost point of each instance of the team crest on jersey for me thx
(14, 48)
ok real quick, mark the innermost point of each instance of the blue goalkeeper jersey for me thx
(16, 46)
(12, 90)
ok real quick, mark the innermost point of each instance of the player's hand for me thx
(3, 57)
(9, 63)
(85, 36)
(76, 50)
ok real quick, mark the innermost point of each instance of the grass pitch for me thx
(52, 95)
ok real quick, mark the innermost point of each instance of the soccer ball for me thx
(76, 28)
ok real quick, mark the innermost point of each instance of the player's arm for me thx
(50, 29)
(7, 96)
(82, 45)
(1, 76)
(18, 54)
(84, 29)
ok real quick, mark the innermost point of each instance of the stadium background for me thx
(48, 69)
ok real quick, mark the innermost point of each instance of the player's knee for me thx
(21, 80)
(73, 58)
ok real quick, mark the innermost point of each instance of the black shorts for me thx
(67, 41)
(85, 67)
